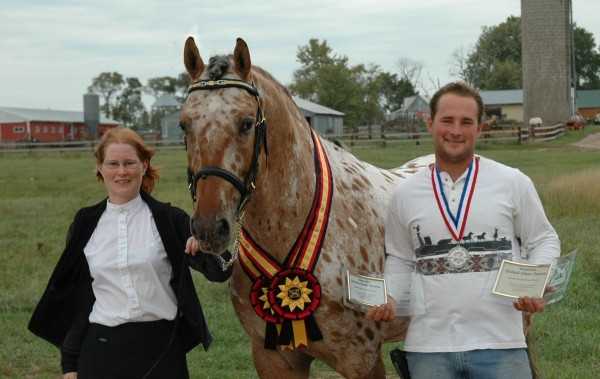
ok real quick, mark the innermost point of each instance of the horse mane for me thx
(267, 75)
(218, 66)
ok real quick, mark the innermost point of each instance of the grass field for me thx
(39, 194)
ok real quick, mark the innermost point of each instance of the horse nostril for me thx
(197, 230)
(222, 228)
(194, 227)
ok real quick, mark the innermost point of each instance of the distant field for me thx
(39, 194)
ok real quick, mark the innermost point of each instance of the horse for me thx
(254, 175)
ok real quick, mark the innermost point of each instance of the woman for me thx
(121, 301)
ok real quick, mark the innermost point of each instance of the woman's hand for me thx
(70, 375)
(191, 246)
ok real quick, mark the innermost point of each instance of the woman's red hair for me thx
(144, 153)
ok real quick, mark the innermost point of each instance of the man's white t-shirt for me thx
(505, 220)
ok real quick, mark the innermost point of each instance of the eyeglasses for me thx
(127, 165)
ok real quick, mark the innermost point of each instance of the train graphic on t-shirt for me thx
(474, 243)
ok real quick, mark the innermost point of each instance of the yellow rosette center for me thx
(294, 293)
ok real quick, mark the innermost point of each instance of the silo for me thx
(546, 28)
(91, 113)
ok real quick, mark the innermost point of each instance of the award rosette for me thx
(287, 294)
(294, 295)
(259, 298)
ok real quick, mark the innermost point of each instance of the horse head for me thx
(225, 136)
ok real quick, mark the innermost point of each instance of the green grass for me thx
(39, 194)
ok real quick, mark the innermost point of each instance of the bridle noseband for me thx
(247, 186)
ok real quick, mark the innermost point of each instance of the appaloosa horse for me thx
(310, 209)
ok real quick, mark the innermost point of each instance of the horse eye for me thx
(247, 124)
(183, 127)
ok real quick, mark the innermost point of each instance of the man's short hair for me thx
(457, 88)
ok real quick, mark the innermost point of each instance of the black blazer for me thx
(61, 316)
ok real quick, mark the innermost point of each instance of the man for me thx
(454, 224)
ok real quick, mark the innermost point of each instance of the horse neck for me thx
(285, 184)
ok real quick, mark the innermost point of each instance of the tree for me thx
(161, 85)
(363, 93)
(488, 64)
(314, 58)
(329, 80)
(587, 59)
(129, 107)
(495, 60)
(459, 65)
(181, 85)
(410, 71)
(107, 85)
(394, 90)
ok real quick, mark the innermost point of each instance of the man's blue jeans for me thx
(475, 364)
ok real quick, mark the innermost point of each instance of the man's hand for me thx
(191, 246)
(529, 304)
(70, 375)
(384, 312)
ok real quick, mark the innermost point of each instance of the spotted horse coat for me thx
(218, 127)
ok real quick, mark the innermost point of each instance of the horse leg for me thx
(351, 371)
(275, 364)
(378, 371)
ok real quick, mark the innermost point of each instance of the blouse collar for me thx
(130, 207)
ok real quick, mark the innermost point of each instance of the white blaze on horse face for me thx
(215, 117)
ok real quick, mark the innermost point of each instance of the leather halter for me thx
(247, 186)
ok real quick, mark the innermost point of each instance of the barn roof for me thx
(502, 97)
(407, 104)
(315, 108)
(166, 100)
(588, 98)
(11, 114)
(584, 98)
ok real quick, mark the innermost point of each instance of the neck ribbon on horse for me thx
(287, 295)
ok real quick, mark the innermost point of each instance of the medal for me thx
(458, 256)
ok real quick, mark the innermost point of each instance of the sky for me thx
(51, 50)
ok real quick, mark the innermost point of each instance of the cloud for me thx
(50, 53)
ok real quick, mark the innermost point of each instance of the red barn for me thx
(45, 125)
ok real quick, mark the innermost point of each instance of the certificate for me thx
(365, 289)
(516, 279)
(560, 277)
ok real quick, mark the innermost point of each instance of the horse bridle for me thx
(247, 186)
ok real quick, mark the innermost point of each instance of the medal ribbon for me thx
(260, 265)
(455, 223)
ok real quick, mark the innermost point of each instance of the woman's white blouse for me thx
(129, 267)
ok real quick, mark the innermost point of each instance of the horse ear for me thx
(191, 58)
(241, 58)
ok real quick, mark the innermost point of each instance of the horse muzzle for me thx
(213, 234)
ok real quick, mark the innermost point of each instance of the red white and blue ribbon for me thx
(455, 222)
